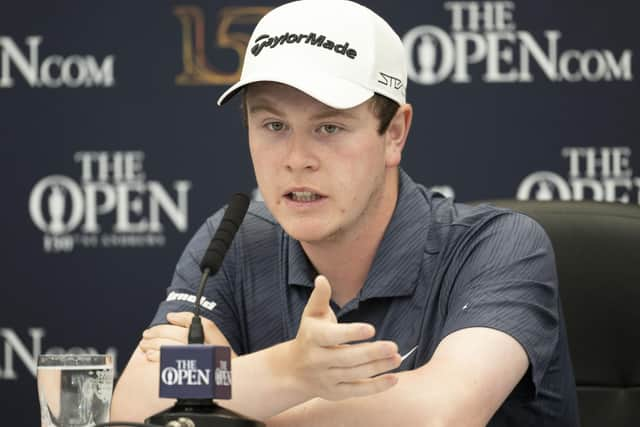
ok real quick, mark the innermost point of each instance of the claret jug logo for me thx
(53, 71)
(484, 42)
(602, 174)
(113, 205)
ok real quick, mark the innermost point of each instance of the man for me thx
(354, 296)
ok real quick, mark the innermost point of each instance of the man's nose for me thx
(299, 154)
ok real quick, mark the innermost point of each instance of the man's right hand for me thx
(176, 333)
(321, 361)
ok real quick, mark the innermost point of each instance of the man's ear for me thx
(396, 134)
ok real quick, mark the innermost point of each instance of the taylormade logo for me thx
(313, 39)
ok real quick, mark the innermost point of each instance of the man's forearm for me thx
(452, 389)
(404, 404)
(261, 385)
(136, 394)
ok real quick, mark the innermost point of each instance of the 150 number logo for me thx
(196, 67)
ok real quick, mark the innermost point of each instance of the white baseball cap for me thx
(336, 51)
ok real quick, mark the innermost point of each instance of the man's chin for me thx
(306, 234)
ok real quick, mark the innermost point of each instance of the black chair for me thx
(597, 247)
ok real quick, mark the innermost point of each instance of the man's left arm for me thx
(501, 327)
(469, 376)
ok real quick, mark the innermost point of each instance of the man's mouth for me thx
(303, 196)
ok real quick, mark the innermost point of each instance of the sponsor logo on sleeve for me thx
(178, 296)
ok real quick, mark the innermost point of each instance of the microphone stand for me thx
(205, 412)
(200, 413)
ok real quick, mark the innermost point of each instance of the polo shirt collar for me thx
(301, 271)
(395, 267)
(397, 261)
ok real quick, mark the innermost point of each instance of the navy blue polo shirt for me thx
(440, 267)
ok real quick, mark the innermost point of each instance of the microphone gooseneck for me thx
(213, 257)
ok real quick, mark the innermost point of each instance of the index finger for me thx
(327, 334)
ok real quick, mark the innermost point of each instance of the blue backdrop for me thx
(114, 152)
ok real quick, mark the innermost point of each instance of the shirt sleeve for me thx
(505, 278)
(217, 303)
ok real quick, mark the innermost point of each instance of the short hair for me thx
(382, 107)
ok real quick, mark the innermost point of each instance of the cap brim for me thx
(330, 90)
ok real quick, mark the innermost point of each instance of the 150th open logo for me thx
(197, 70)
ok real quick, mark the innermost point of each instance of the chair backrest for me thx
(597, 247)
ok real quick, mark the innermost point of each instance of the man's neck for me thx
(346, 261)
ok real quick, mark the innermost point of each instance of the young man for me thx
(353, 296)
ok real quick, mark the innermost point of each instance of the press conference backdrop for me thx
(114, 152)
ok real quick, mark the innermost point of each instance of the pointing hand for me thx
(325, 362)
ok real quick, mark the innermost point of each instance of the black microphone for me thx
(200, 365)
(213, 257)
(225, 233)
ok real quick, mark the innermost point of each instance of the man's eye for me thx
(275, 126)
(329, 129)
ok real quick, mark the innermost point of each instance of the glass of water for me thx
(74, 389)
